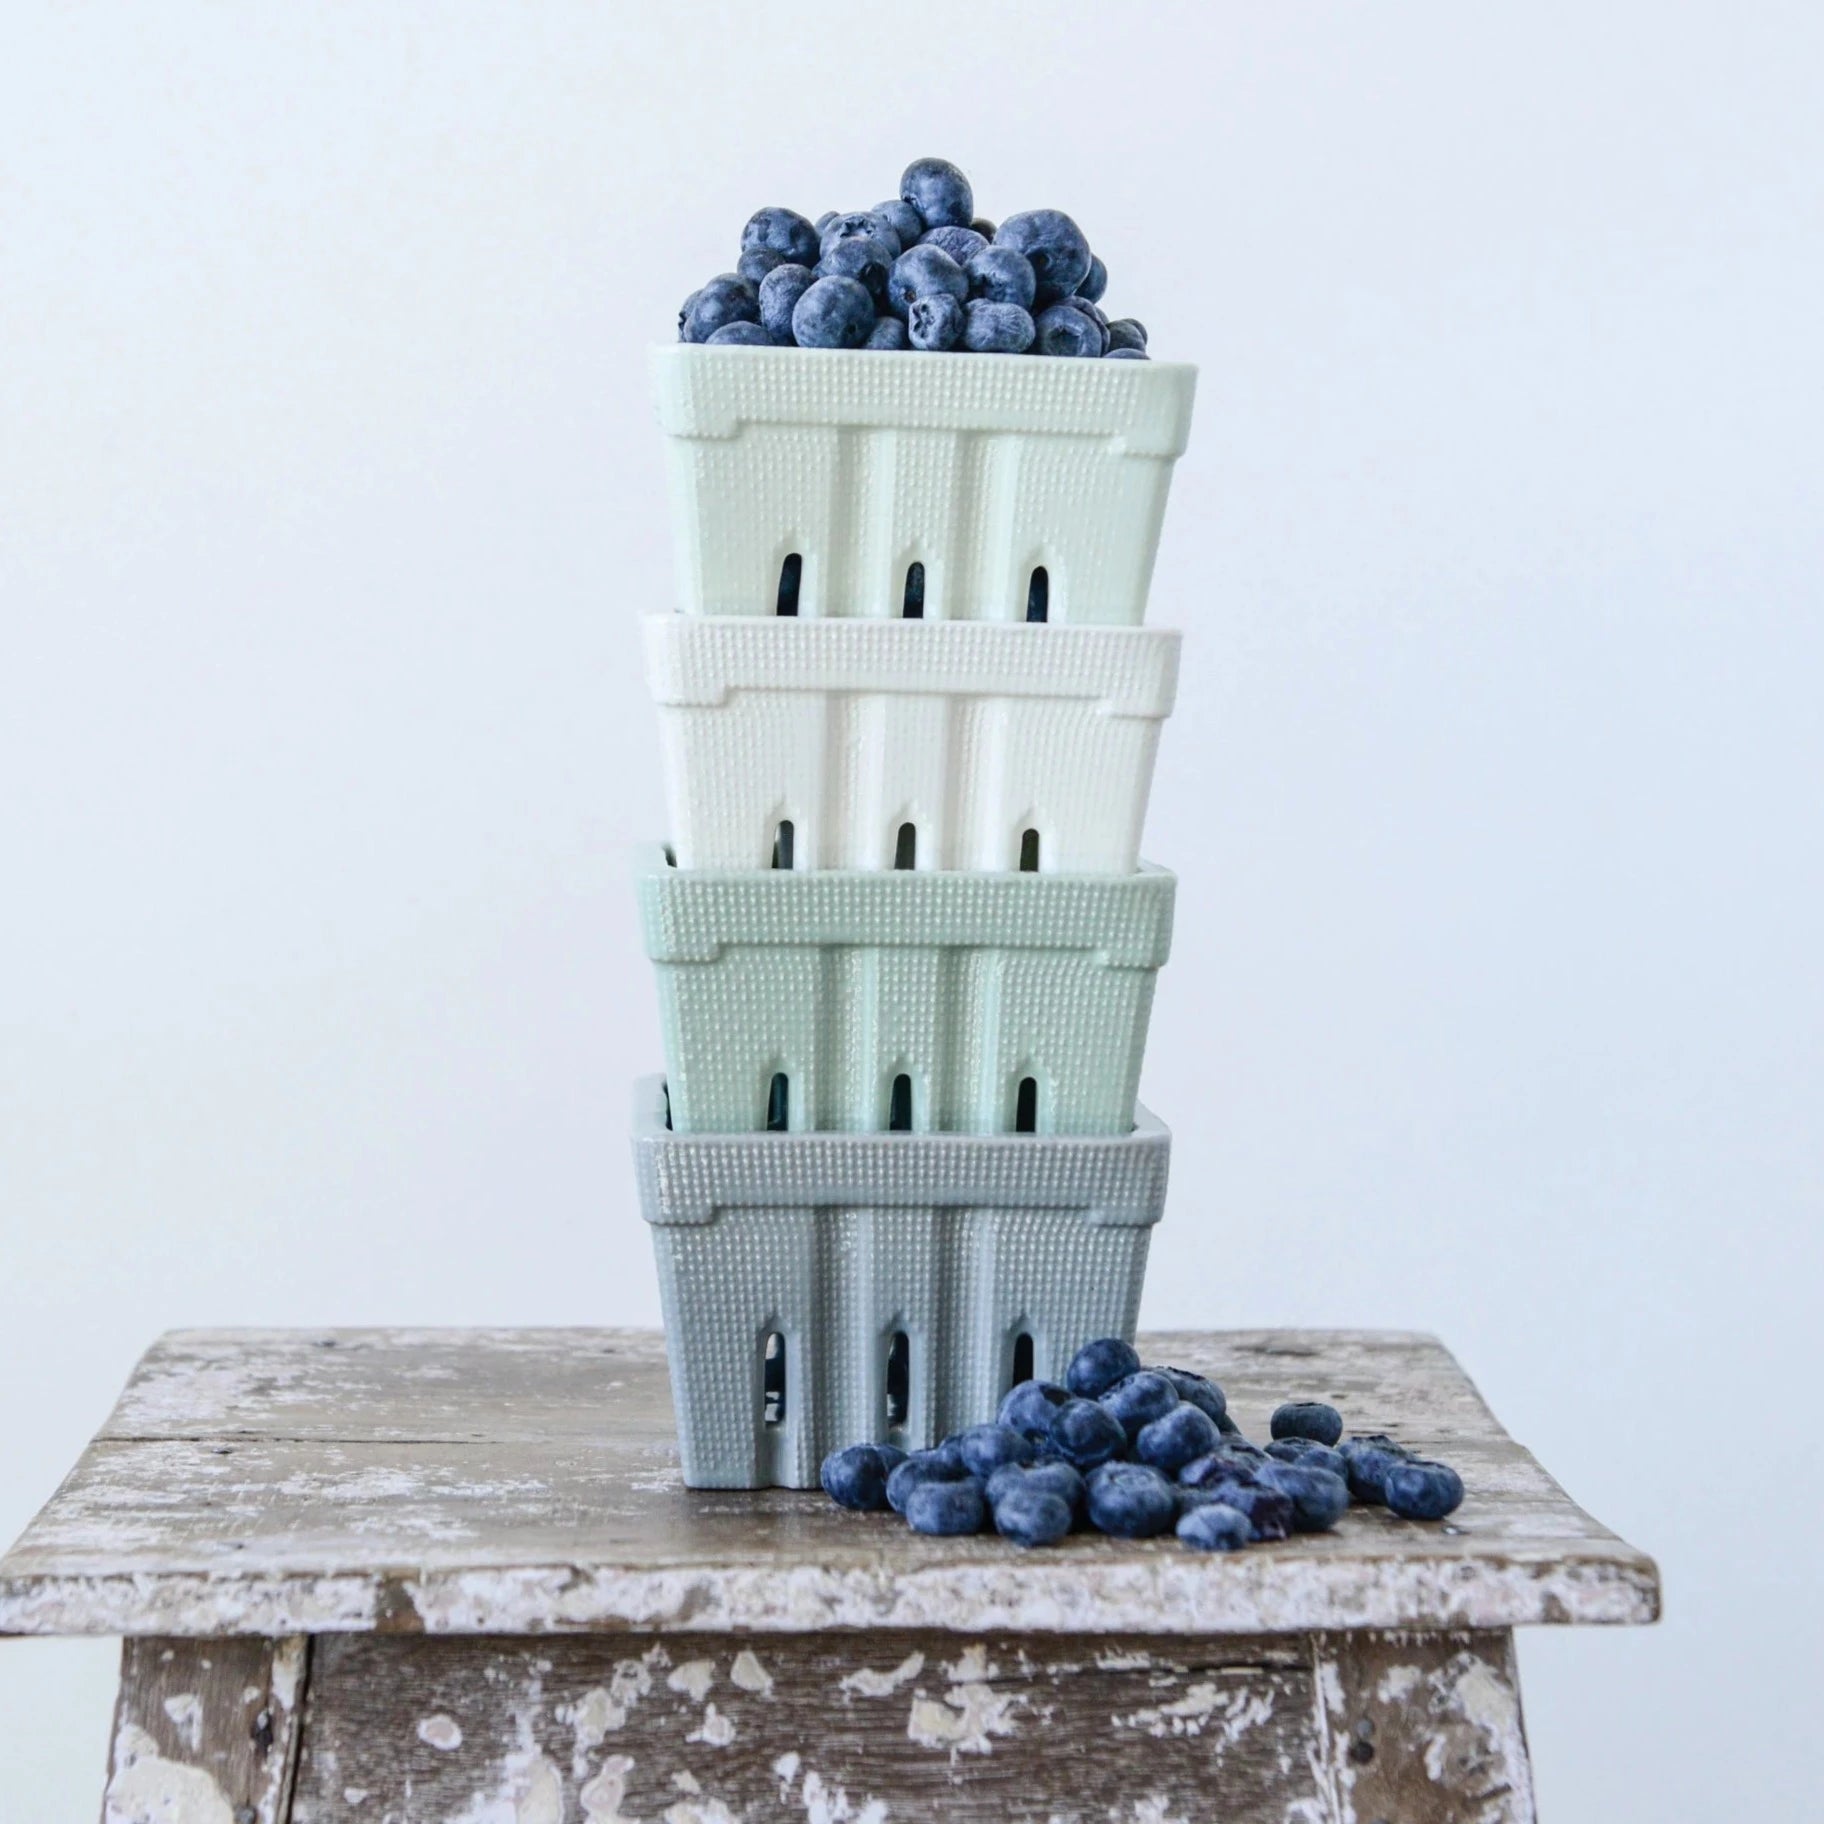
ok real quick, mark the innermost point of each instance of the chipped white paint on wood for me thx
(278, 1482)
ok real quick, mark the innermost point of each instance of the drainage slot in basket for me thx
(782, 845)
(779, 1104)
(772, 1379)
(899, 1105)
(1038, 596)
(1022, 1359)
(905, 846)
(1029, 851)
(1026, 1107)
(912, 608)
(790, 573)
(899, 1379)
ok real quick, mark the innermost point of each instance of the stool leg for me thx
(206, 1731)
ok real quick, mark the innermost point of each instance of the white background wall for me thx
(329, 493)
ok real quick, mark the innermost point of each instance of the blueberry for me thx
(1136, 1400)
(757, 262)
(935, 322)
(1093, 312)
(856, 1477)
(1058, 1479)
(1094, 282)
(1368, 1459)
(861, 226)
(727, 298)
(1055, 246)
(921, 1467)
(1318, 1498)
(1064, 331)
(1028, 1407)
(1085, 1434)
(1214, 1527)
(1173, 1441)
(1222, 1464)
(939, 192)
(1126, 332)
(684, 310)
(780, 291)
(741, 335)
(889, 333)
(1308, 1419)
(921, 271)
(863, 259)
(1001, 276)
(1030, 1515)
(833, 313)
(962, 244)
(983, 227)
(1198, 1391)
(902, 218)
(1097, 1366)
(996, 329)
(1419, 1489)
(781, 231)
(986, 1448)
(1131, 1501)
(1127, 354)
(1310, 1453)
(1269, 1510)
(947, 1507)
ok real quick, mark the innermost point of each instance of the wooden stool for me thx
(436, 1575)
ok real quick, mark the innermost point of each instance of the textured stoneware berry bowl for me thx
(883, 485)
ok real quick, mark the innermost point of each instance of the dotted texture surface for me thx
(839, 1244)
(971, 732)
(981, 468)
(966, 984)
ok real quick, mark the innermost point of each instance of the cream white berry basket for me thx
(812, 481)
(882, 744)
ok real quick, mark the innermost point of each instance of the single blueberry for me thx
(902, 218)
(986, 1448)
(1094, 313)
(1002, 277)
(1198, 1391)
(1057, 1478)
(833, 313)
(1094, 282)
(962, 244)
(1216, 1527)
(1131, 1501)
(1030, 1515)
(1097, 1366)
(1307, 1419)
(1064, 331)
(935, 321)
(1310, 1453)
(1055, 246)
(1137, 1399)
(727, 298)
(1085, 1434)
(983, 227)
(1183, 1434)
(1368, 1459)
(996, 329)
(1028, 1406)
(947, 1507)
(921, 1467)
(1318, 1498)
(756, 263)
(1126, 332)
(1127, 354)
(865, 260)
(780, 291)
(859, 226)
(939, 192)
(856, 1477)
(888, 333)
(921, 271)
(781, 231)
(1419, 1489)
(740, 335)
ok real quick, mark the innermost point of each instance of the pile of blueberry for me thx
(1137, 1452)
(922, 271)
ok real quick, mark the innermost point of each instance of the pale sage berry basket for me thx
(856, 1002)
(827, 482)
(819, 1289)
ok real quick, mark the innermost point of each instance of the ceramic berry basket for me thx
(855, 1002)
(878, 744)
(819, 1289)
(826, 482)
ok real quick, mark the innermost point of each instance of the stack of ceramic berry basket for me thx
(905, 945)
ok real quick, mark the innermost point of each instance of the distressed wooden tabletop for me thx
(277, 1482)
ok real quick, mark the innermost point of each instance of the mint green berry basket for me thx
(862, 1002)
